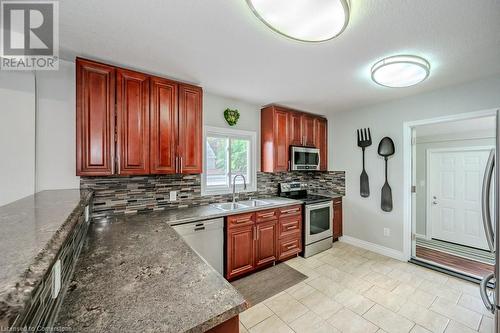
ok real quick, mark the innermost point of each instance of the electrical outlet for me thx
(87, 214)
(56, 278)
(387, 232)
(173, 195)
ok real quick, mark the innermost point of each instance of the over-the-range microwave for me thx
(304, 158)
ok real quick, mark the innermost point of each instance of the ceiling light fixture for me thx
(400, 71)
(303, 20)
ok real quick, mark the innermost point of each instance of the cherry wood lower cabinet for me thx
(337, 218)
(255, 240)
(265, 243)
(229, 326)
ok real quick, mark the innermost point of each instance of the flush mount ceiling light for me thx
(304, 20)
(400, 71)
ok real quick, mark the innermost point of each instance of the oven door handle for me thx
(320, 205)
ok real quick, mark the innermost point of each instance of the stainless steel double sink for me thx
(241, 205)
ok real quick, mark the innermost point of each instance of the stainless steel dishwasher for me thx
(207, 239)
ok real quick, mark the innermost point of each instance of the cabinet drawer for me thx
(240, 220)
(266, 215)
(290, 226)
(289, 247)
(291, 211)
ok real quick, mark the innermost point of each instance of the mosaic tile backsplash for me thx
(122, 195)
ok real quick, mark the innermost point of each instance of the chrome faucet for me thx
(234, 186)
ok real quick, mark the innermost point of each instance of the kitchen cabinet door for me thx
(132, 105)
(163, 129)
(295, 129)
(308, 130)
(190, 130)
(265, 245)
(281, 151)
(240, 251)
(95, 118)
(337, 218)
(321, 142)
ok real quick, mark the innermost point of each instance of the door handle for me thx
(485, 201)
(484, 295)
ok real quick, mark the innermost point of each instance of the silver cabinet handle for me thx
(180, 163)
(176, 164)
(484, 295)
(485, 201)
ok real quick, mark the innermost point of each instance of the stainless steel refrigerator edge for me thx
(491, 227)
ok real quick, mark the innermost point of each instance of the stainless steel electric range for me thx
(318, 217)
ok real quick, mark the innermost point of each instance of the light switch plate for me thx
(173, 195)
(56, 278)
(387, 232)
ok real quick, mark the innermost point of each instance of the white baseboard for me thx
(385, 251)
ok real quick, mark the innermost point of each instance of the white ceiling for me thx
(222, 46)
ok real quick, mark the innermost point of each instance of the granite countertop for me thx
(136, 274)
(33, 230)
(186, 215)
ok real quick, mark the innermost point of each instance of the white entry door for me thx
(454, 196)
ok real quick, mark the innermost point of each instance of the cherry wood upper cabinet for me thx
(132, 107)
(274, 139)
(295, 129)
(190, 137)
(282, 128)
(308, 130)
(95, 118)
(321, 141)
(131, 123)
(163, 129)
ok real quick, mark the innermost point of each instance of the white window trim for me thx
(221, 131)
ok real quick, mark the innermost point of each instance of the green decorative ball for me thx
(231, 116)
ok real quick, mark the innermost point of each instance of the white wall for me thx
(425, 143)
(17, 135)
(213, 115)
(363, 218)
(56, 149)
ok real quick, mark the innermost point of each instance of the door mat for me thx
(264, 284)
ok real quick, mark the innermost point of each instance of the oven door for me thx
(319, 222)
(305, 158)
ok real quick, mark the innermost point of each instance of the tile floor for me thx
(349, 289)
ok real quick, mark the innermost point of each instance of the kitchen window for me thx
(228, 152)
